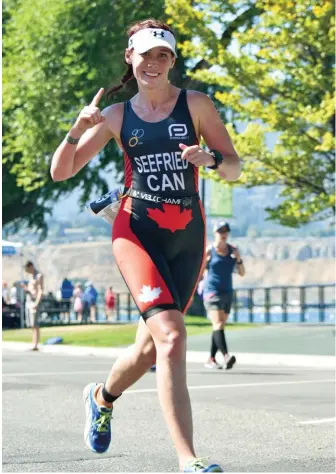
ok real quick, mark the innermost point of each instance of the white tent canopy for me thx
(10, 248)
(14, 244)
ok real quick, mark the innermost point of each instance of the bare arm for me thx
(39, 283)
(240, 266)
(217, 138)
(94, 130)
(241, 269)
(212, 129)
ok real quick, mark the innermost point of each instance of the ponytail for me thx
(126, 77)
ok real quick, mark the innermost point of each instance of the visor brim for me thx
(143, 48)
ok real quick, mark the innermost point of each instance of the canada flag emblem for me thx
(149, 294)
(171, 217)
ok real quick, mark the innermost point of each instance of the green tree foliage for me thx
(272, 62)
(56, 56)
(265, 63)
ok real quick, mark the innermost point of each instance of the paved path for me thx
(251, 419)
(280, 339)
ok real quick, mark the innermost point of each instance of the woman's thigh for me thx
(144, 343)
(217, 316)
(143, 267)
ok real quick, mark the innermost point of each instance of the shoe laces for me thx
(103, 422)
(197, 463)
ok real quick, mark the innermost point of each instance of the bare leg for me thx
(36, 336)
(217, 317)
(92, 318)
(169, 334)
(130, 366)
(111, 316)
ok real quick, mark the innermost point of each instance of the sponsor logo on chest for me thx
(137, 133)
(178, 131)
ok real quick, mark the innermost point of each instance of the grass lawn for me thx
(103, 335)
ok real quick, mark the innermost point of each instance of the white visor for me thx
(149, 38)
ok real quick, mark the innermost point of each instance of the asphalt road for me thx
(251, 419)
(275, 338)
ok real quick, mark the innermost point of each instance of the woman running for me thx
(158, 235)
(221, 261)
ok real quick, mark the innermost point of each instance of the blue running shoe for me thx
(197, 465)
(97, 432)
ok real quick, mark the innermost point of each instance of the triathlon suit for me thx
(158, 235)
(218, 288)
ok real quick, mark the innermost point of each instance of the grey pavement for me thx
(250, 419)
(275, 338)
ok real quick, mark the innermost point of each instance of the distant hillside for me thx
(249, 215)
(268, 262)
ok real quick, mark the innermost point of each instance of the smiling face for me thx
(151, 68)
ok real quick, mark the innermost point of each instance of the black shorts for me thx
(219, 301)
(159, 249)
(65, 304)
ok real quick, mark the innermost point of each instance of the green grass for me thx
(101, 335)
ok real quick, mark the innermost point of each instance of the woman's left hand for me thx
(196, 155)
(236, 253)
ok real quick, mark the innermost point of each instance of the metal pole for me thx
(118, 306)
(321, 304)
(303, 303)
(284, 304)
(203, 191)
(235, 306)
(250, 305)
(267, 305)
(22, 294)
(129, 312)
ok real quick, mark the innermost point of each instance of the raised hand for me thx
(90, 115)
(236, 253)
(196, 155)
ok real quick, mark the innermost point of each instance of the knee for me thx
(218, 326)
(173, 345)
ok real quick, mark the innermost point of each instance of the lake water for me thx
(311, 316)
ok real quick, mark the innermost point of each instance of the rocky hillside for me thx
(287, 249)
(268, 262)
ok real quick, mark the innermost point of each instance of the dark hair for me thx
(29, 264)
(134, 28)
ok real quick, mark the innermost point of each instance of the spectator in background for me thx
(5, 293)
(78, 302)
(221, 261)
(110, 300)
(90, 300)
(34, 293)
(66, 295)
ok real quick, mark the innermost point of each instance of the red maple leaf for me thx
(171, 218)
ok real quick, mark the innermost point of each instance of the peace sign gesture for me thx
(90, 115)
